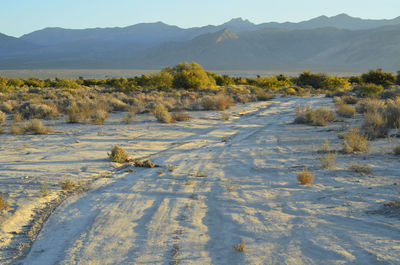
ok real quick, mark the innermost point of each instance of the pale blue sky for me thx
(18, 17)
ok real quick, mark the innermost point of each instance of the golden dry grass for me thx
(305, 177)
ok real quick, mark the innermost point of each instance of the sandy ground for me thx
(218, 183)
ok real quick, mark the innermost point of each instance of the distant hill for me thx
(339, 43)
(10, 45)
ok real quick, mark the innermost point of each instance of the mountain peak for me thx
(226, 34)
(342, 15)
(238, 21)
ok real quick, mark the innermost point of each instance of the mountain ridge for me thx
(322, 42)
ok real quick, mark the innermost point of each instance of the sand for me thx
(219, 183)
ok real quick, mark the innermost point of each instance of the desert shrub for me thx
(68, 185)
(328, 160)
(160, 112)
(16, 129)
(396, 150)
(3, 203)
(354, 141)
(241, 247)
(290, 91)
(272, 82)
(118, 155)
(31, 110)
(223, 80)
(29, 127)
(335, 83)
(363, 169)
(325, 147)
(307, 78)
(162, 80)
(130, 116)
(146, 163)
(98, 116)
(116, 104)
(77, 114)
(225, 116)
(303, 114)
(369, 89)
(180, 116)
(345, 110)
(7, 106)
(305, 177)
(370, 105)
(392, 113)
(191, 75)
(350, 100)
(321, 116)
(374, 125)
(219, 102)
(261, 94)
(65, 83)
(378, 77)
(2, 117)
(35, 127)
(44, 190)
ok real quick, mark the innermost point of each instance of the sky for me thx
(18, 17)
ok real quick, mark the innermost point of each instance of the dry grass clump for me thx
(33, 110)
(225, 116)
(44, 190)
(218, 102)
(350, 100)
(321, 116)
(146, 164)
(78, 114)
(305, 177)
(328, 160)
(128, 118)
(2, 117)
(180, 116)
(374, 125)
(35, 127)
(68, 185)
(363, 169)
(3, 203)
(160, 112)
(241, 247)
(118, 155)
(392, 113)
(8, 106)
(98, 116)
(354, 141)
(369, 105)
(16, 129)
(396, 150)
(29, 127)
(345, 110)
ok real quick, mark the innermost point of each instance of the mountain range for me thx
(338, 43)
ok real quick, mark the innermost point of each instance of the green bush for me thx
(190, 76)
(378, 77)
(369, 89)
(161, 80)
